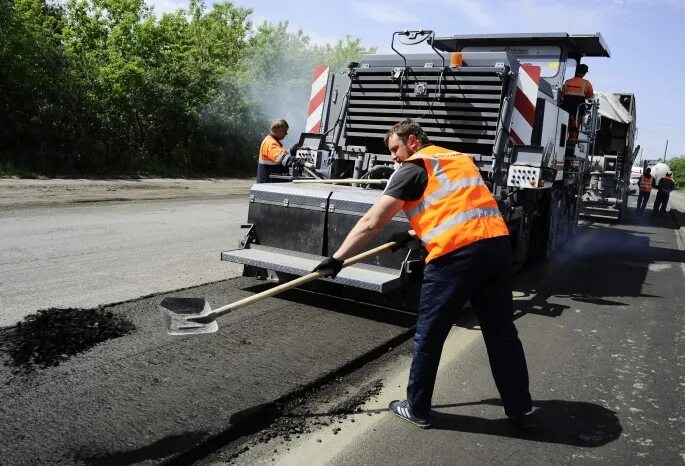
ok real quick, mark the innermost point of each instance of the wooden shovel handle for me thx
(299, 281)
(343, 181)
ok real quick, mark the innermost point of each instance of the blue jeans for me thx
(480, 273)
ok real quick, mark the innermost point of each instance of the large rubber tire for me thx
(554, 223)
(539, 236)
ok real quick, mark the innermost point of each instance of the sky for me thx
(646, 39)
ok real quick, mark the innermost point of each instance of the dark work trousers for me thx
(660, 203)
(642, 199)
(264, 172)
(481, 273)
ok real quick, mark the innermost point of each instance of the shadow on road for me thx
(162, 448)
(573, 423)
(648, 218)
(598, 266)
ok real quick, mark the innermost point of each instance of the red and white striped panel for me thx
(526, 97)
(316, 99)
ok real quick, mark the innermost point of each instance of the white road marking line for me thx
(680, 239)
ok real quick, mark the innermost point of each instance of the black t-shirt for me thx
(666, 185)
(408, 183)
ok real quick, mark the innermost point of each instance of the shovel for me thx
(343, 181)
(191, 316)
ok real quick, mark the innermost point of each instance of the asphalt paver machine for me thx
(492, 97)
(611, 157)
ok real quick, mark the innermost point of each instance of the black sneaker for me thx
(525, 421)
(401, 408)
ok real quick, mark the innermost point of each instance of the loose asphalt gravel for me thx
(147, 397)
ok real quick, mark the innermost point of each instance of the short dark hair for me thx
(404, 129)
(581, 69)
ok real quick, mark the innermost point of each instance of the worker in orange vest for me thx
(645, 185)
(573, 93)
(456, 218)
(664, 188)
(274, 158)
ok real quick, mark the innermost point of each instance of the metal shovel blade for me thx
(175, 314)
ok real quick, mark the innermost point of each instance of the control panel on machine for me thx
(526, 170)
(523, 177)
(309, 147)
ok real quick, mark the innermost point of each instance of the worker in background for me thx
(455, 216)
(645, 185)
(273, 157)
(573, 93)
(664, 188)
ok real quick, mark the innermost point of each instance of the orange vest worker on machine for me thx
(273, 157)
(573, 93)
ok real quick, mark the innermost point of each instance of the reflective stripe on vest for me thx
(443, 191)
(578, 88)
(263, 152)
(645, 184)
(456, 208)
(267, 162)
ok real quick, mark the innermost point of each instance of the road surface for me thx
(58, 250)
(602, 326)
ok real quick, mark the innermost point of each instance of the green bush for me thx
(106, 87)
(7, 169)
(678, 168)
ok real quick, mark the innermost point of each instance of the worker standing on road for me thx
(455, 216)
(645, 184)
(273, 157)
(664, 188)
(573, 93)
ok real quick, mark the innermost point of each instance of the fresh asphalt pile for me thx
(52, 336)
(145, 397)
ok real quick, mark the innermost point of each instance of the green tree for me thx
(31, 101)
(104, 86)
(677, 166)
(148, 79)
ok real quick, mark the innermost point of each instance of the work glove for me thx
(288, 160)
(401, 239)
(297, 162)
(330, 264)
(293, 150)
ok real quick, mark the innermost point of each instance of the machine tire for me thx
(539, 236)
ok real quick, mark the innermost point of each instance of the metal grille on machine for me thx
(463, 116)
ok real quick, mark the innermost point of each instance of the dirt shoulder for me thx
(19, 193)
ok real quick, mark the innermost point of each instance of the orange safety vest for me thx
(456, 208)
(579, 87)
(645, 184)
(271, 151)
